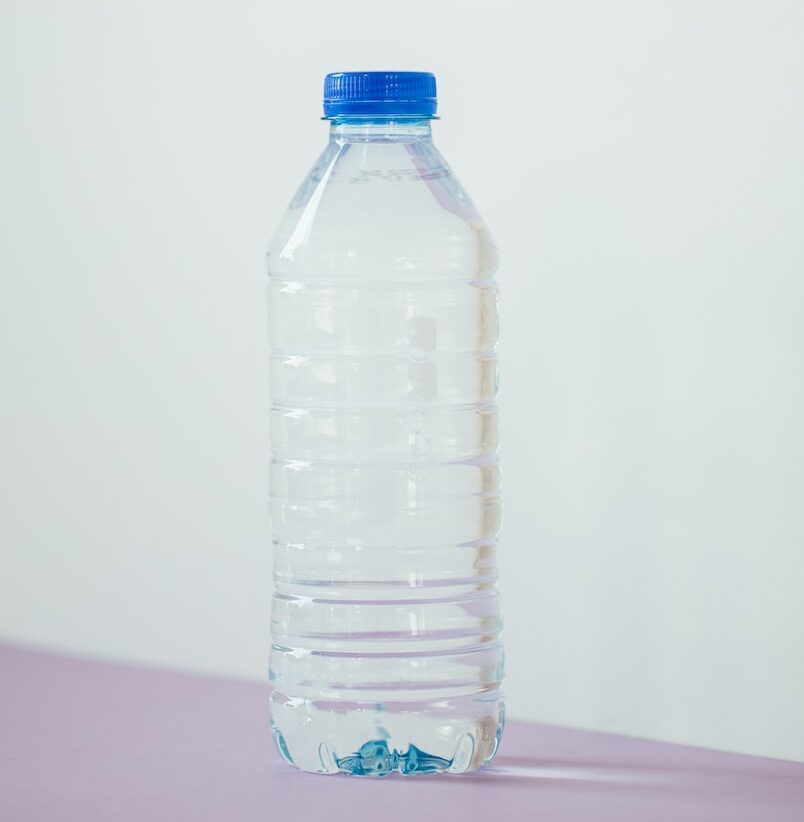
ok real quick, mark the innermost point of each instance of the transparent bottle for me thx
(386, 623)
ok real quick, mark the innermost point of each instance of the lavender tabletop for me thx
(87, 741)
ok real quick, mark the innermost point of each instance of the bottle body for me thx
(386, 650)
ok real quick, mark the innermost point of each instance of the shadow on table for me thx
(519, 768)
(513, 770)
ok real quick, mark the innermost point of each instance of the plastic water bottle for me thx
(385, 503)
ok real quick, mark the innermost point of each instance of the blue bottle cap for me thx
(406, 93)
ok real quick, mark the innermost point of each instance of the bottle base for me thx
(378, 739)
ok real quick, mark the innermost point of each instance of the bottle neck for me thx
(379, 129)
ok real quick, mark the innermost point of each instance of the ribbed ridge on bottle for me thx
(385, 492)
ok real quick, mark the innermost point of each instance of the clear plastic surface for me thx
(385, 504)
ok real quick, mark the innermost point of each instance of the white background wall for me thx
(642, 166)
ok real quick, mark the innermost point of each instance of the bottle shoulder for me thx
(380, 210)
